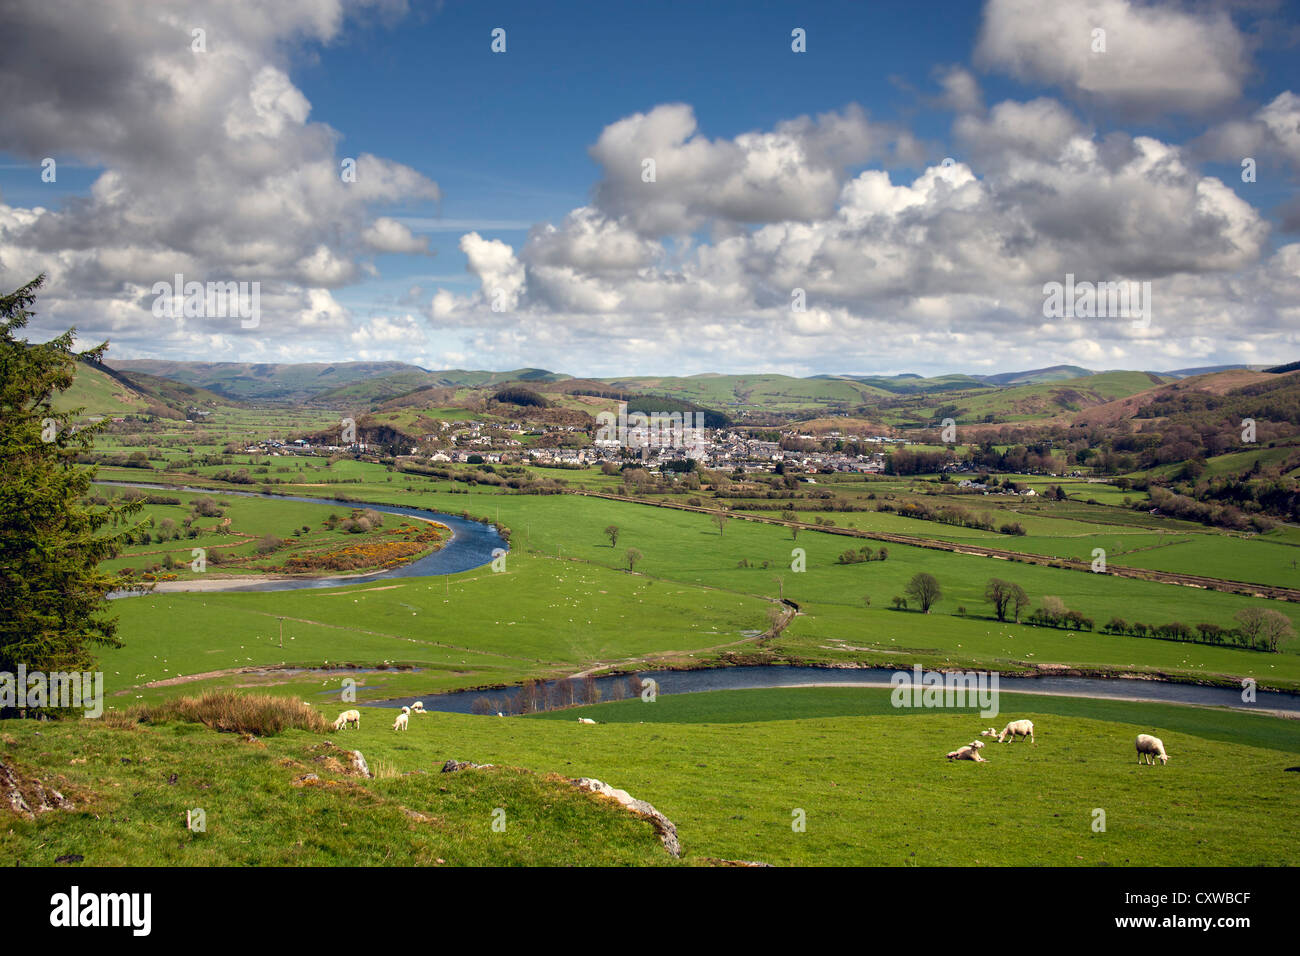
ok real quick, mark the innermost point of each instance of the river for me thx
(471, 544)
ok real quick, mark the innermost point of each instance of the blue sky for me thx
(1051, 176)
(506, 136)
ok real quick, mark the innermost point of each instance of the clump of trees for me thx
(1261, 629)
(1054, 613)
(1258, 629)
(268, 544)
(943, 514)
(1218, 513)
(524, 397)
(862, 554)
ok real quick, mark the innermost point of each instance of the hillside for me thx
(1044, 400)
(100, 394)
(1055, 373)
(770, 393)
(276, 382)
(1126, 407)
(105, 392)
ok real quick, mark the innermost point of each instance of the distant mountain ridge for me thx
(1030, 393)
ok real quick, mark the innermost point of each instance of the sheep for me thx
(969, 752)
(1151, 748)
(991, 732)
(352, 717)
(418, 707)
(402, 718)
(1017, 728)
(585, 720)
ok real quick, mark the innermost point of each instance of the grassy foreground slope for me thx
(131, 790)
(733, 770)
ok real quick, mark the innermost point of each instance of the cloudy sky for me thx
(919, 171)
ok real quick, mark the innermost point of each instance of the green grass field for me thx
(459, 628)
(734, 770)
(131, 790)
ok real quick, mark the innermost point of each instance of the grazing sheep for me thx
(1017, 728)
(402, 718)
(991, 732)
(418, 707)
(1151, 748)
(969, 752)
(585, 720)
(352, 717)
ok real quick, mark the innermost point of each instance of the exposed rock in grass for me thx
(451, 766)
(717, 862)
(28, 796)
(663, 826)
(340, 760)
(359, 764)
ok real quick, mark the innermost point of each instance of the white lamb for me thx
(991, 732)
(1017, 728)
(418, 707)
(969, 752)
(352, 717)
(402, 718)
(585, 720)
(1151, 748)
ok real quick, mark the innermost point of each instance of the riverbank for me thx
(468, 544)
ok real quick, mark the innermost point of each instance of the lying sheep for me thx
(352, 717)
(1017, 728)
(1151, 748)
(402, 718)
(969, 752)
(991, 732)
(418, 707)
(585, 720)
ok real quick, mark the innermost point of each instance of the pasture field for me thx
(132, 788)
(1069, 528)
(541, 617)
(1271, 558)
(730, 769)
(734, 771)
(710, 593)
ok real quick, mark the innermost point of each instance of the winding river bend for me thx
(473, 542)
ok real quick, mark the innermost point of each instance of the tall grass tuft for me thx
(263, 715)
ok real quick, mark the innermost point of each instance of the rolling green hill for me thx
(100, 394)
(276, 382)
(1046, 399)
(768, 392)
